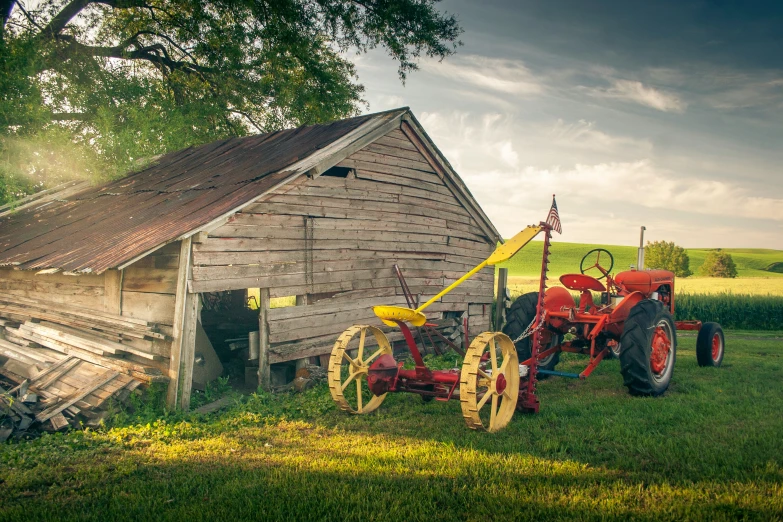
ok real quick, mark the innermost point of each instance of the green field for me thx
(565, 257)
(759, 269)
(710, 448)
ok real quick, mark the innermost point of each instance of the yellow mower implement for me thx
(389, 314)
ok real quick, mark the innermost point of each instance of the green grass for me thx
(711, 448)
(565, 259)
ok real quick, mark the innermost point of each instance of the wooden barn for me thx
(145, 275)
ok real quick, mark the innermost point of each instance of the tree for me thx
(718, 264)
(128, 79)
(667, 256)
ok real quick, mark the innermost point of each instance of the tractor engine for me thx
(645, 281)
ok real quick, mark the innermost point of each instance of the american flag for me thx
(553, 219)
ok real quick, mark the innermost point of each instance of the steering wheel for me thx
(597, 264)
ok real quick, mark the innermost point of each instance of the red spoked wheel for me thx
(660, 350)
(710, 345)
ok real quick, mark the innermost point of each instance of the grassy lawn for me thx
(711, 448)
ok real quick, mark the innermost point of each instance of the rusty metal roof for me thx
(106, 226)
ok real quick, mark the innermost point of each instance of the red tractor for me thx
(632, 319)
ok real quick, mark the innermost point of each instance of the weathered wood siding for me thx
(144, 290)
(150, 284)
(343, 236)
(149, 287)
(86, 291)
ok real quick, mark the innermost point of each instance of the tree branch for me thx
(61, 19)
(73, 8)
(251, 120)
(29, 17)
(155, 53)
(6, 6)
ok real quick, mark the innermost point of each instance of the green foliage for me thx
(718, 264)
(131, 79)
(667, 256)
(212, 392)
(593, 452)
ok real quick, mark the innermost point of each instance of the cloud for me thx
(495, 141)
(501, 75)
(386, 101)
(636, 92)
(584, 134)
(749, 93)
(638, 183)
(508, 154)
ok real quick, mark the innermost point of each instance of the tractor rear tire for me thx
(646, 323)
(710, 345)
(518, 318)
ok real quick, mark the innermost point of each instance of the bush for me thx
(667, 256)
(718, 264)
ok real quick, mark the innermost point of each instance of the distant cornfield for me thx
(733, 311)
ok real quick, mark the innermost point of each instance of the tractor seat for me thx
(581, 283)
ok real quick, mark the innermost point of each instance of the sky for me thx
(662, 114)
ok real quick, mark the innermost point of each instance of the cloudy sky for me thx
(664, 114)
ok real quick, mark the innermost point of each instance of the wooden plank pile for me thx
(63, 366)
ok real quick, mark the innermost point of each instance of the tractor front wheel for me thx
(648, 349)
(710, 345)
(518, 318)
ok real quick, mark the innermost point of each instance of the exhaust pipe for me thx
(640, 255)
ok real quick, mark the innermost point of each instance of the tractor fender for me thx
(558, 299)
(620, 313)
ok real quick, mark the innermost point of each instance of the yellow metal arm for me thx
(452, 286)
(512, 246)
(502, 253)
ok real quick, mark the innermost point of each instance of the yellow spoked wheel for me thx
(489, 389)
(348, 375)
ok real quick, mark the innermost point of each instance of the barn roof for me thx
(114, 224)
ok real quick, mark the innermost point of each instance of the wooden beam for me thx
(188, 353)
(112, 293)
(179, 315)
(501, 297)
(200, 237)
(81, 394)
(263, 339)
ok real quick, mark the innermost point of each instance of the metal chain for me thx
(529, 330)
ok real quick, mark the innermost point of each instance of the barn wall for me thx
(149, 286)
(86, 291)
(342, 236)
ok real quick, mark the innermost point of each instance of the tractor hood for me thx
(644, 281)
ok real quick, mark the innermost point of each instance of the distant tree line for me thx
(668, 256)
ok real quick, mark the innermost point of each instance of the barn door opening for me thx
(228, 318)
